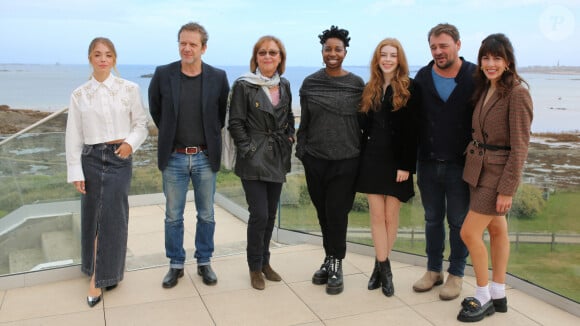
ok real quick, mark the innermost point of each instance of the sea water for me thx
(48, 87)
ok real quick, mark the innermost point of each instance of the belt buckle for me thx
(191, 150)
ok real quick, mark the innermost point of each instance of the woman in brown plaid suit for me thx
(493, 168)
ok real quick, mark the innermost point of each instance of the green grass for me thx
(560, 215)
(557, 268)
(227, 178)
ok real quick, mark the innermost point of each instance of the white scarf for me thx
(261, 80)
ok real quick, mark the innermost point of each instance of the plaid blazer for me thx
(503, 122)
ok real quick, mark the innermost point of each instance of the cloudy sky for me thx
(145, 31)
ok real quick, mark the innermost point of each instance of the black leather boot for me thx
(335, 284)
(321, 276)
(375, 281)
(170, 279)
(386, 277)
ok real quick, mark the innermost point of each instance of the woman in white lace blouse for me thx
(106, 124)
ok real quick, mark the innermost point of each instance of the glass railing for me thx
(39, 211)
(37, 206)
(543, 223)
(32, 177)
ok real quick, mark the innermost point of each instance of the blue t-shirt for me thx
(443, 85)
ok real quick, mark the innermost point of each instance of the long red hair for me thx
(373, 92)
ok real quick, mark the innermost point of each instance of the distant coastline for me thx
(554, 87)
(556, 70)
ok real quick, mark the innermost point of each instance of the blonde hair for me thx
(108, 43)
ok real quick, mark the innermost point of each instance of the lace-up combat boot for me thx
(321, 276)
(335, 284)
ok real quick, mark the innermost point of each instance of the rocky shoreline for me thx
(553, 160)
(12, 120)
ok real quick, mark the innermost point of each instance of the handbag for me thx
(228, 146)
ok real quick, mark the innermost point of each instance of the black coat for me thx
(263, 133)
(164, 107)
(398, 130)
(389, 145)
(445, 127)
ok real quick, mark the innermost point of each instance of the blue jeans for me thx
(443, 191)
(179, 171)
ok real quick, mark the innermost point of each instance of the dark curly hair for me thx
(335, 32)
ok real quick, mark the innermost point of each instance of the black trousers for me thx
(262, 198)
(331, 185)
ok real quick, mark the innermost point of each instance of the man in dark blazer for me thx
(187, 101)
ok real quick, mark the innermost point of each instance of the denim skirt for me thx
(105, 213)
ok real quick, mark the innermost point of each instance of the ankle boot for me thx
(334, 284)
(428, 281)
(257, 280)
(386, 277)
(321, 276)
(271, 274)
(375, 281)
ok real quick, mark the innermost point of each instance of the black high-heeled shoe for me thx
(92, 301)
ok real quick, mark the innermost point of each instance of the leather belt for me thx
(108, 144)
(191, 150)
(490, 147)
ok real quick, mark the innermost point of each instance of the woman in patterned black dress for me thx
(387, 162)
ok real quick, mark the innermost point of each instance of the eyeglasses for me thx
(272, 53)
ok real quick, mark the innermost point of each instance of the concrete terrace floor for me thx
(140, 299)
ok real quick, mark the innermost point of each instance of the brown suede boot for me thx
(428, 281)
(271, 274)
(257, 280)
(452, 287)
